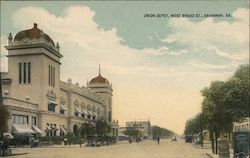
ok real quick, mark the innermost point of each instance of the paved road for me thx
(146, 149)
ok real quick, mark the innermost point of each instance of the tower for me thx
(101, 86)
(34, 68)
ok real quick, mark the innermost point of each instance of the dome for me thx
(33, 33)
(99, 79)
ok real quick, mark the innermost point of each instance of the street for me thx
(146, 149)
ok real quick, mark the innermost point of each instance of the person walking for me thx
(130, 140)
(158, 139)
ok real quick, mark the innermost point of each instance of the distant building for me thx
(243, 126)
(143, 126)
(38, 100)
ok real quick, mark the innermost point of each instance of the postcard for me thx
(124, 79)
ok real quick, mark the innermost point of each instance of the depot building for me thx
(38, 101)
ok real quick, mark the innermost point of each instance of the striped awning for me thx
(21, 128)
(63, 107)
(84, 112)
(8, 135)
(52, 102)
(36, 129)
(90, 113)
(78, 110)
(63, 130)
(95, 114)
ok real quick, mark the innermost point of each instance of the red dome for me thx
(33, 33)
(99, 79)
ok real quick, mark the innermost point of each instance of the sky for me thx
(157, 65)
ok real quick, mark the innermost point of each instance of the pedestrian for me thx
(32, 142)
(65, 141)
(158, 139)
(81, 142)
(130, 140)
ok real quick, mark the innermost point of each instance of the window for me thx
(34, 121)
(20, 73)
(24, 73)
(62, 111)
(29, 72)
(76, 113)
(51, 107)
(51, 76)
(20, 119)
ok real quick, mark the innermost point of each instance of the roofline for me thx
(34, 46)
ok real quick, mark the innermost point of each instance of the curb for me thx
(209, 155)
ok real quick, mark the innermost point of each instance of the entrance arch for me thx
(75, 130)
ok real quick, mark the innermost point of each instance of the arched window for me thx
(51, 107)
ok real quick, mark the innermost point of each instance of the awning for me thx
(8, 135)
(90, 113)
(84, 112)
(63, 107)
(52, 102)
(78, 110)
(95, 114)
(21, 128)
(36, 129)
(63, 130)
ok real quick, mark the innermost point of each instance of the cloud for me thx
(228, 40)
(83, 43)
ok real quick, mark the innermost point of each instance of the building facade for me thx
(243, 126)
(38, 100)
(143, 126)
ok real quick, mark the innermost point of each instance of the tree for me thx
(237, 99)
(87, 129)
(4, 113)
(132, 132)
(217, 120)
(226, 102)
(161, 132)
(102, 128)
(195, 125)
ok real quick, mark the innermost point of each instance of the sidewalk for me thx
(209, 152)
